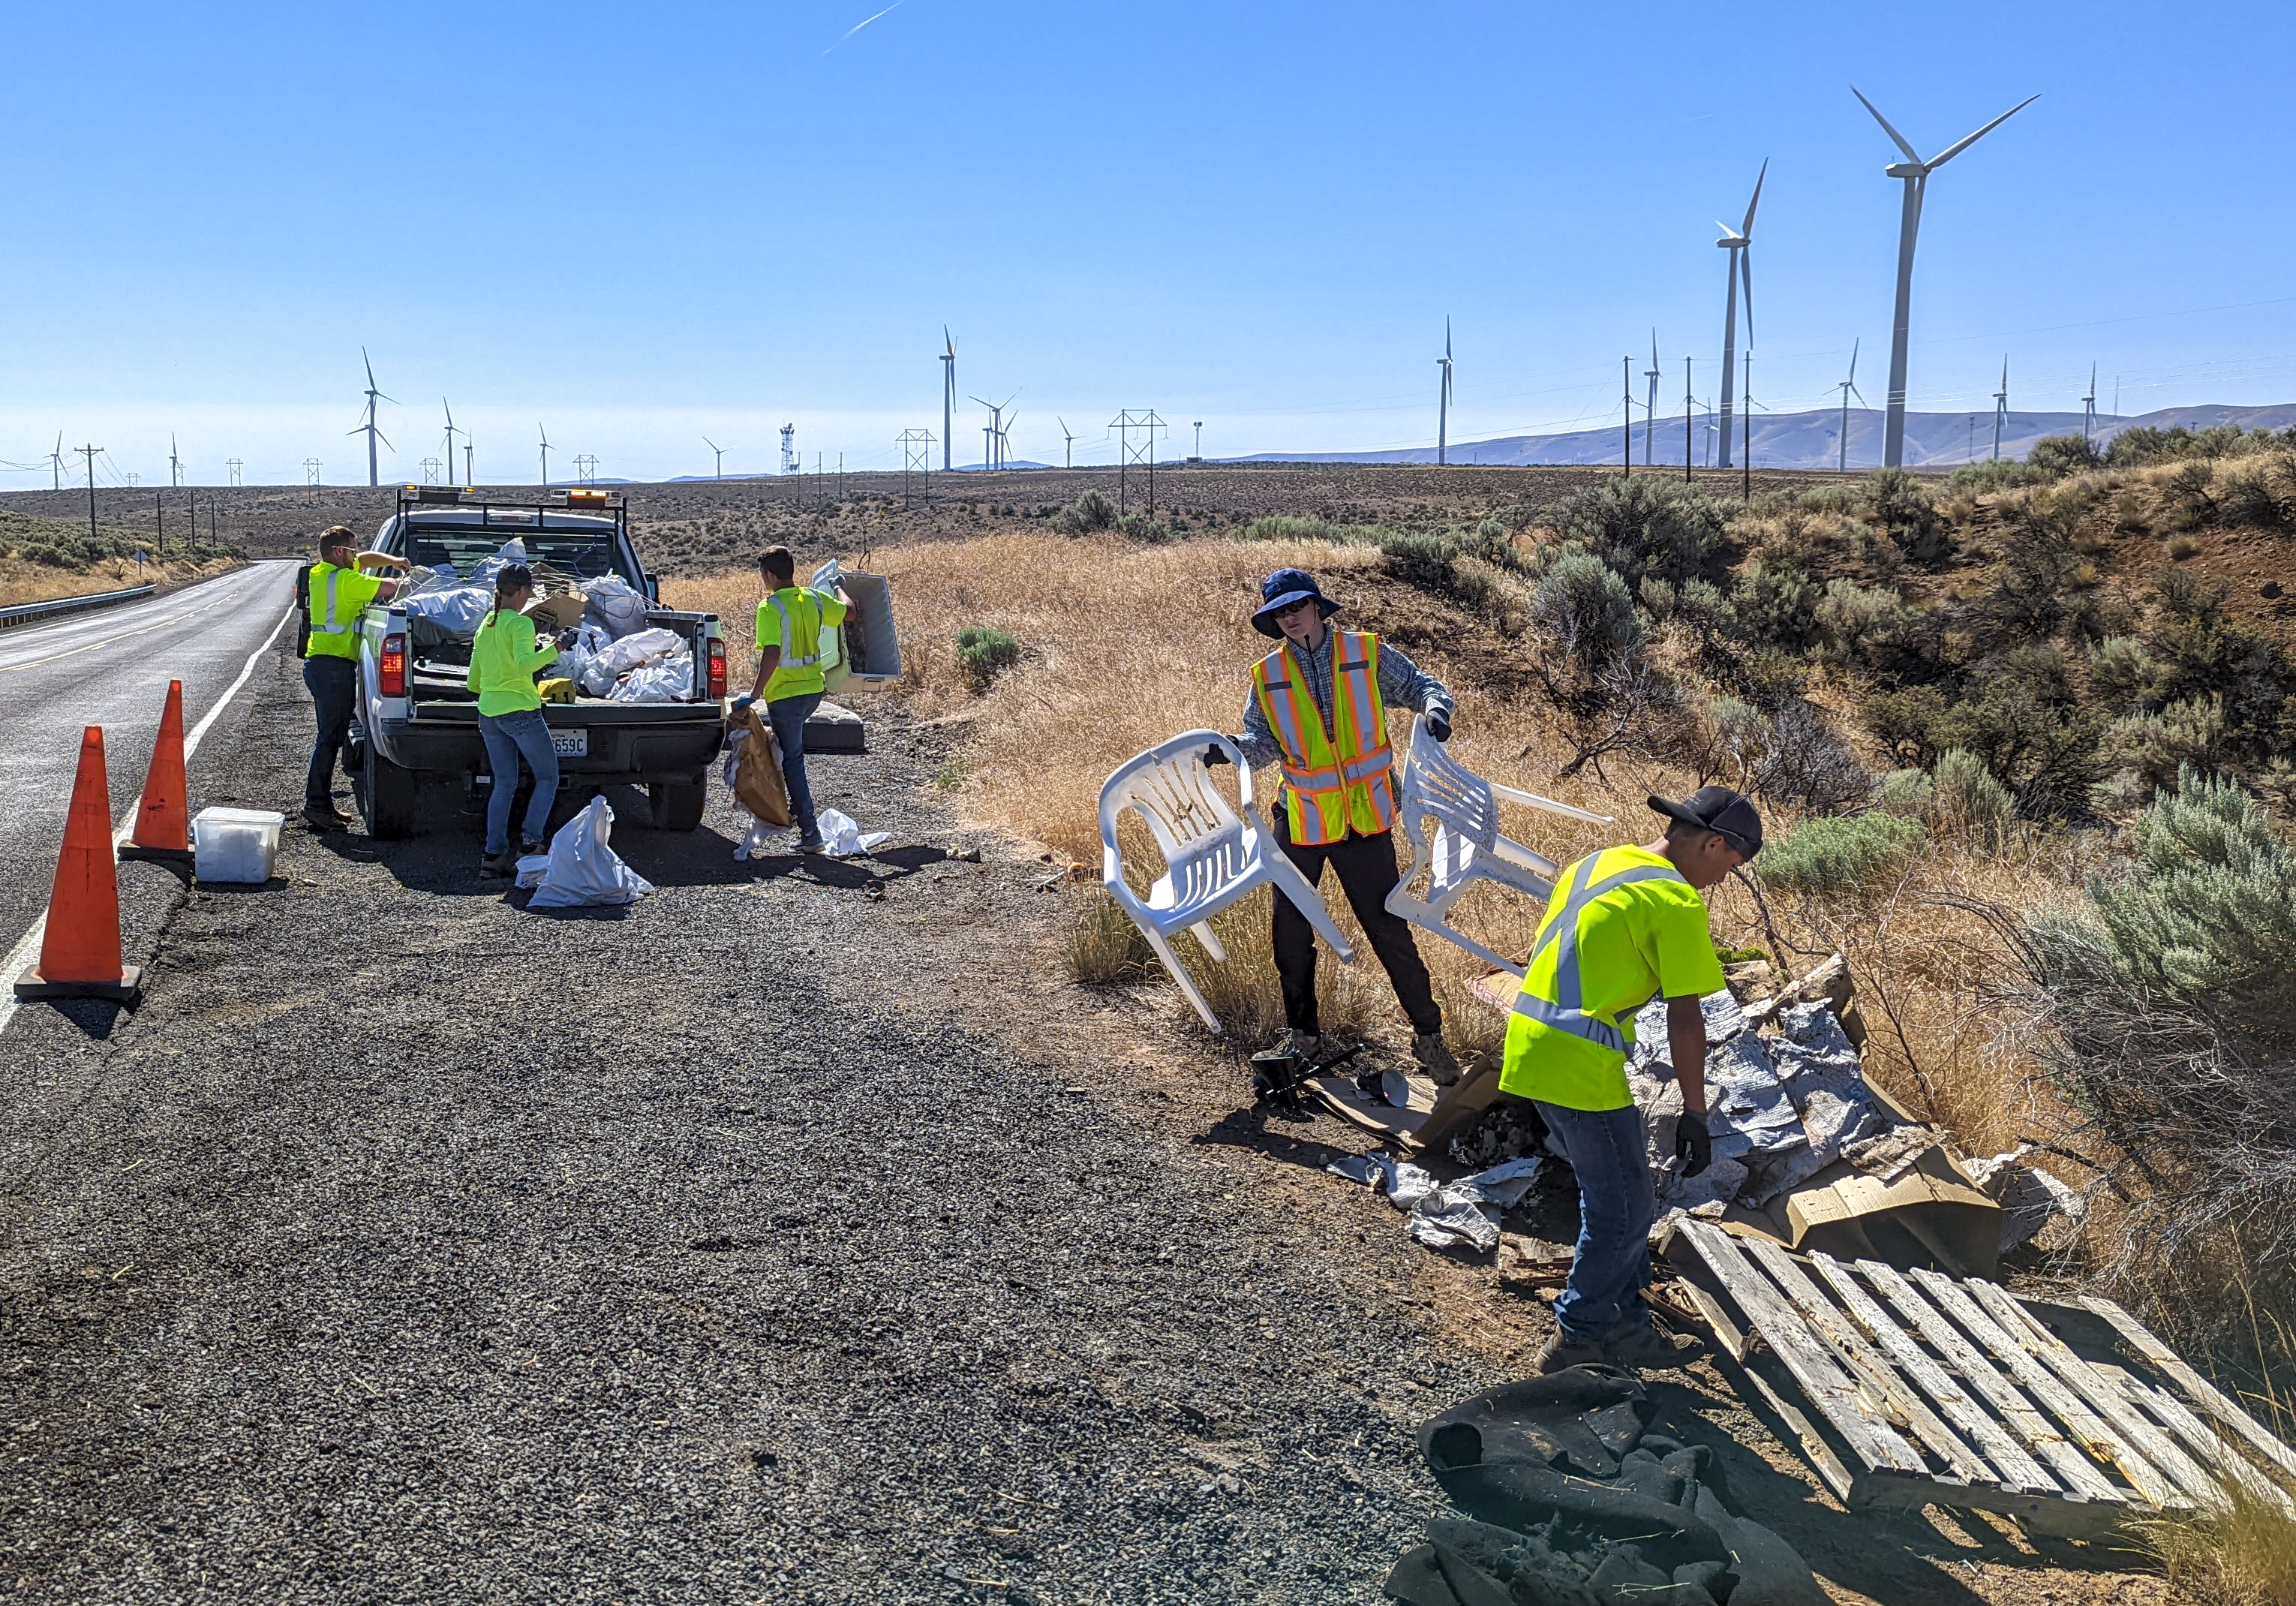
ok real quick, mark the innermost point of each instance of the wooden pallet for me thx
(1912, 1389)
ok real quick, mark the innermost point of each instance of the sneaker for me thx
(1306, 1047)
(497, 866)
(810, 844)
(1643, 1347)
(325, 817)
(529, 846)
(1559, 1354)
(1434, 1055)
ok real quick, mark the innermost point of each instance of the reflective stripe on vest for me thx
(330, 628)
(1566, 1011)
(788, 640)
(1338, 780)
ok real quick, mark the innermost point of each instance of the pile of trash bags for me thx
(1779, 1108)
(652, 665)
(452, 603)
(1442, 1214)
(616, 654)
(1571, 1500)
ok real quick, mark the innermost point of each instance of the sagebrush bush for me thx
(1583, 607)
(1968, 801)
(1090, 512)
(984, 653)
(1646, 526)
(1843, 854)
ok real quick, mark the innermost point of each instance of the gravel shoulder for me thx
(797, 1235)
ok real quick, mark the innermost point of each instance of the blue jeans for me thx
(335, 691)
(787, 716)
(508, 738)
(1604, 1150)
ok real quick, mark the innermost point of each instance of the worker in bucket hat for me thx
(1625, 925)
(1318, 708)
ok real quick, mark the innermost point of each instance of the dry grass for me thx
(22, 582)
(2243, 1554)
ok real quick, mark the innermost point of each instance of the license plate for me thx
(570, 744)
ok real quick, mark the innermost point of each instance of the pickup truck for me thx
(415, 720)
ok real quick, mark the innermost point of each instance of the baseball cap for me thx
(1719, 809)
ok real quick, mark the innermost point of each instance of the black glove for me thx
(567, 638)
(1691, 1146)
(1215, 754)
(1438, 724)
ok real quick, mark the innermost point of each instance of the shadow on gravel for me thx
(1261, 1130)
(96, 1018)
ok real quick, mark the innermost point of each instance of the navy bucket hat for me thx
(1281, 590)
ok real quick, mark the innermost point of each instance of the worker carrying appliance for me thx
(1625, 925)
(335, 593)
(790, 678)
(1318, 708)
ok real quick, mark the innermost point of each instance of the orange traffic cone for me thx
(163, 823)
(79, 953)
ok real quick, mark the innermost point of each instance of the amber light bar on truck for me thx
(587, 498)
(391, 665)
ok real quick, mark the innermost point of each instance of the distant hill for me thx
(1809, 441)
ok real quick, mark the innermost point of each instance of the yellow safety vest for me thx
(338, 596)
(1560, 1002)
(1340, 780)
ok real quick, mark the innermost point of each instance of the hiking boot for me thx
(1309, 1048)
(530, 846)
(1560, 1352)
(810, 843)
(1643, 1347)
(499, 866)
(325, 817)
(1434, 1057)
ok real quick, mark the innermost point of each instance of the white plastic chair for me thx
(1465, 846)
(1213, 857)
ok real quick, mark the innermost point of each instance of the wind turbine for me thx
(546, 455)
(1650, 407)
(1443, 414)
(2088, 406)
(2000, 406)
(56, 462)
(1067, 446)
(1848, 389)
(948, 393)
(1005, 439)
(174, 463)
(371, 432)
(1915, 174)
(451, 432)
(1736, 241)
(713, 445)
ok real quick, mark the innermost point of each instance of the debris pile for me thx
(1463, 1212)
(1573, 1499)
(2035, 1206)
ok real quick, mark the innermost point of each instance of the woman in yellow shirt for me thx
(504, 657)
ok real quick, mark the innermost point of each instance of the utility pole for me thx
(1626, 440)
(1687, 404)
(159, 524)
(89, 453)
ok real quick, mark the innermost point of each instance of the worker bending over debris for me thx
(789, 623)
(1318, 707)
(1625, 925)
(503, 658)
(335, 593)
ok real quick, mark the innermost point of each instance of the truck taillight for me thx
(717, 667)
(393, 665)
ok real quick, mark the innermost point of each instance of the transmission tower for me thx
(585, 467)
(916, 458)
(429, 471)
(1144, 423)
(234, 464)
(310, 470)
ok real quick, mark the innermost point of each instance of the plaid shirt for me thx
(1402, 683)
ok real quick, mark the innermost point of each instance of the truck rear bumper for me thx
(677, 749)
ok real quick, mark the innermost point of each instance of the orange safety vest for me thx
(1337, 781)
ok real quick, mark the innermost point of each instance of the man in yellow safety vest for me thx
(1318, 707)
(335, 593)
(790, 677)
(1625, 925)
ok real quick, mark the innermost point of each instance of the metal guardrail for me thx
(32, 614)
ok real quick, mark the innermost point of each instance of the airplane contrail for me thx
(864, 23)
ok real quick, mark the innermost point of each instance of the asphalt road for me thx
(111, 667)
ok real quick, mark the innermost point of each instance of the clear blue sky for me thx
(640, 224)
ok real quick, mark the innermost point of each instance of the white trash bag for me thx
(583, 868)
(668, 678)
(618, 657)
(614, 605)
(841, 837)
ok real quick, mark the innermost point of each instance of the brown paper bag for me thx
(758, 783)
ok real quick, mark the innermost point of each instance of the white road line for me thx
(25, 953)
